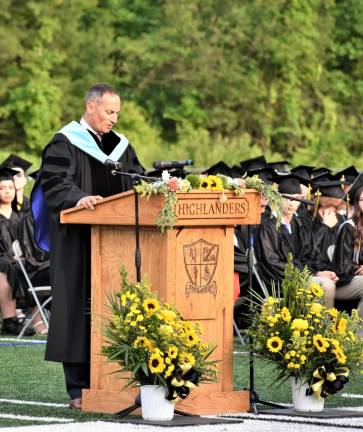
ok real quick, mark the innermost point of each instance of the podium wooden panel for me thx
(191, 266)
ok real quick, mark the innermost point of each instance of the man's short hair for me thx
(98, 90)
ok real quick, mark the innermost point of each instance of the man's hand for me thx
(88, 202)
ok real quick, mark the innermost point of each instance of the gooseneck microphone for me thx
(169, 164)
(113, 165)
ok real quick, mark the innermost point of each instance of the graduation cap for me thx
(7, 173)
(237, 171)
(358, 184)
(288, 184)
(218, 168)
(265, 174)
(14, 161)
(34, 174)
(278, 166)
(327, 176)
(254, 163)
(347, 175)
(320, 171)
(332, 189)
(303, 171)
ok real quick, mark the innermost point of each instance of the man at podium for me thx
(75, 171)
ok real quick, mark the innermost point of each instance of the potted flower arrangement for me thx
(169, 186)
(156, 348)
(318, 348)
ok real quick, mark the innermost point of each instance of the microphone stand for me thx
(135, 179)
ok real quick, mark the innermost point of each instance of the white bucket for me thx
(304, 403)
(154, 406)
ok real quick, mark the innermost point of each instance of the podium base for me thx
(105, 401)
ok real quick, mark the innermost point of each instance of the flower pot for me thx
(300, 401)
(154, 406)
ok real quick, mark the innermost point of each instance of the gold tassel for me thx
(309, 192)
(317, 195)
(342, 180)
(347, 205)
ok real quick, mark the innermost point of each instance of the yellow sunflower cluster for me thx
(150, 339)
(212, 182)
(294, 329)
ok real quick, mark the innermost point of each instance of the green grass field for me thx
(26, 376)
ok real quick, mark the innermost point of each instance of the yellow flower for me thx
(352, 336)
(320, 343)
(333, 312)
(285, 314)
(299, 324)
(205, 183)
(139, 318)
(339, 354)
(167, 315)
(156, 363)
(291, 365)
(169, 371)
(316, 290)
(270, 301)
(316, 309)
(274, 344)
(166, 329)
(342, 326)
(143, 342)
(186, 358)
(215, 183)
(303, 358)
(192, 339)
(173, 352)
(123, 300)
(296, 365)
(293, 353)
(287, 356)
(150, 306)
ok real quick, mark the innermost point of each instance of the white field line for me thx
(24, 402)
(351, 395)
(38, 419)
(33, 341)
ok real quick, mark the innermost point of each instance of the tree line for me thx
(203, 79)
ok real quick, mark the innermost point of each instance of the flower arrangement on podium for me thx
(153, 344)
(169, 186)
(317, 347)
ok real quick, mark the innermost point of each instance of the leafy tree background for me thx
(203, 79)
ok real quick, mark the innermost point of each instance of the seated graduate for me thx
(21, 202)
(14, 226)
(304, 174)
(327, 219)
(348, 253)
(292, 237)
(10, 290)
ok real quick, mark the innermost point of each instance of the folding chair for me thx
(36, 292)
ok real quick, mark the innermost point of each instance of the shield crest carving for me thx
(200, 260)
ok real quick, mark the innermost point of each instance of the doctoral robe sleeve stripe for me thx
(49, 184)
(48, 175)
(57, 160)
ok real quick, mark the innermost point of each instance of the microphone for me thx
(113, 165)
(160, 164)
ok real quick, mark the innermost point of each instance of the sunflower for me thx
(142, 341)
(316, 308)
(186, 358)
(205, 183)
(169, 371)
(299, 324)
(339, 355)
(285, 314)
(150, 306)
(156, 363)
(191, 339)
(333, 312)
(316, 290)
(167, 315)
(173, 352)
(321, 344)
(274, 344)
(342, 326)
(215, 183)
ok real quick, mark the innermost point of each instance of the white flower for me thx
(165, 175)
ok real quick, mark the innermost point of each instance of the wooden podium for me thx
(191, 266)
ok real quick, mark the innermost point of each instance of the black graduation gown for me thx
(25, 205)
(67, 174)
(324, 237)
(274, 245)
(344, 265)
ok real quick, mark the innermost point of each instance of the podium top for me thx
(195, 208)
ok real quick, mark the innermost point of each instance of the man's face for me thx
(7, 191)
(102, 114)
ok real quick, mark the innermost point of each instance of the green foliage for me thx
(206, 79)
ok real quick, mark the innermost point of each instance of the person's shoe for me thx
(75, 404)
(13, 327)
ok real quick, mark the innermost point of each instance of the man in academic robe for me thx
(74, 173)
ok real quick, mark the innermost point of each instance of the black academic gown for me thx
(324, 237)
(25, 205)
(67, 174)
(274, 246)
(344, 262)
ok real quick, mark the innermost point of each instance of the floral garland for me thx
(169, 186)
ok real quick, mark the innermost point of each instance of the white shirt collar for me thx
(87, 126)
